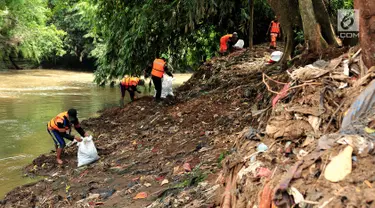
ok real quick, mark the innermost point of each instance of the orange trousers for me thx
(273, 39)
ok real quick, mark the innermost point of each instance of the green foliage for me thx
(126, 36)
(299, 36)
(24, 32)
(135, 32)
(76, 17)
(193, 178)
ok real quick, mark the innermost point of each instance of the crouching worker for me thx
(130, 84)
(60, 128)
(227, 43)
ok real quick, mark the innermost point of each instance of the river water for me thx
(29, 99)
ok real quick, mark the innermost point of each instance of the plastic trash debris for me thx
(160, 178)
(276, 56)
(263, 172)
(166, 88)
(165, 181)
(308, 72)
(240, 43)
(262, 147)
(250, 169)
(87, 152)
(314, 121)
(251, 134)
(320, 63)
(187, 167)
(282, 94)
(298, 197)
(357, 117)
(147, 184)
(354, 158)
(281, 190)
(288, 147)
(141, 195)
(107, 194)
(340, 166)
(360, 144)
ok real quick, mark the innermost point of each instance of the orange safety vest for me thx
(223, 42)
(158, 68)
(275, 27)
(130, 81)
(52, 125)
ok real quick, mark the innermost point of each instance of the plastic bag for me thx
(240, 43)
(86, 151)
(360, 113)
(276, 56)
(166, 88)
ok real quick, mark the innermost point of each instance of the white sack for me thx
(166, 88)
(86, 151)
(240, 43)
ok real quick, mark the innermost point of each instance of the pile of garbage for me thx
(315, 150)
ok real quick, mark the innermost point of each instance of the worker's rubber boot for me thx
(58, 156)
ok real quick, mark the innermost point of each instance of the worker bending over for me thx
(227, 42)
(275, 32)
(130, 84)
(159, 67)
(60, 128)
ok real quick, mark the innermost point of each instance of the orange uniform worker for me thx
(227, 42)
(275, 32)
(60, 128)
(130, 84)
(159, 67)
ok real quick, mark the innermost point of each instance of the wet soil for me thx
(198, 141)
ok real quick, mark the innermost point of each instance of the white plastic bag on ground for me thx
(276, 56)
(240, 43)
(166, 89)
(86, 151)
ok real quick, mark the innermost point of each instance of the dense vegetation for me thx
(122, 37)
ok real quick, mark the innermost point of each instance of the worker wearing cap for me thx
(60, 128)
(159, 67)
(130, 84)
(227, 42)
(275, 32)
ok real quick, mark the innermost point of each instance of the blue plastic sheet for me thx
(360, 113)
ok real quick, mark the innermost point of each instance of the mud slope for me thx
(180, 143)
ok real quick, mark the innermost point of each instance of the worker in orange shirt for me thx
(275, 32)
(130, 84)
(227, 42)
(159, 67)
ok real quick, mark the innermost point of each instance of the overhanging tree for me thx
(313, 17)
(367, 30)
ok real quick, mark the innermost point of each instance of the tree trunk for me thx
(322, 16)
(313, 36)
(14, 63)
(251, 26)
(367, 30)
(287, 11)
